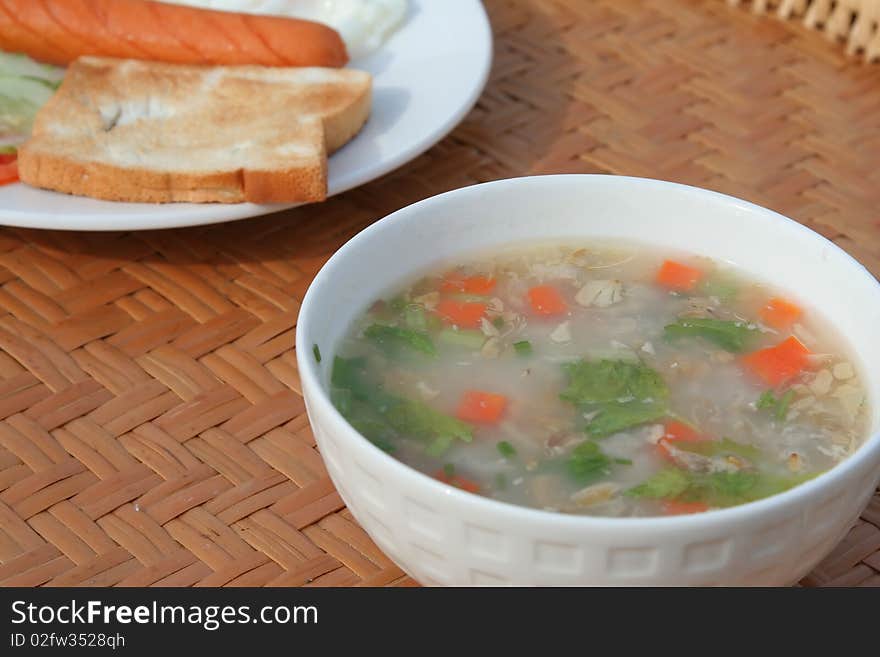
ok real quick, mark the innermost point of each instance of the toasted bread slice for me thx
(129, 130)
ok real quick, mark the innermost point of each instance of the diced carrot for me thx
(780, 313)
(776, 365)
(546, 300)
(479, 406)
(464, 314)
(454, 282)
(677, 432)
(8, 173)
(458, 481)
(676, 276)
(676, 508)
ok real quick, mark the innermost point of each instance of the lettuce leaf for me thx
(418, 420)
(588, 463)
(616, 417)
(351, 374)
(624, 394)
(729, 335)
(717, 489)
(605, 381)
(395, 341)
(669, 483)
(721, 447)
(383, 417)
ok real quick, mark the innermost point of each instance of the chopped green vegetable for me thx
(784, 403)
(720, 287)
(721, 447)
(729, 488)
(414, 418)
(349, 393)
(766, 400)
(523, 347)
(769, 401)
(394, 340)
(625, 394)
(729, 335)
(381, 416)
(667, 484)
(439, 446)
(718, 489)
(592, 383)
(317, 351)
(623, 461)
(370, 423)
(498, 322)
(350, 374)
(449, 470)
(588, 463)
(770, 484)
(506, 449)
(462, 338)
(8, 150)
(616, 417)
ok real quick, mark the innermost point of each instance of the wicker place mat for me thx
(152, 429)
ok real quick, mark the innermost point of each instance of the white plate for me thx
(426, 78)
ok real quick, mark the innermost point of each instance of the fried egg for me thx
(364, 25)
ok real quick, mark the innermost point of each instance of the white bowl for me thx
(440, 535)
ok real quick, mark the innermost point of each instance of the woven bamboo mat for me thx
(151, 427)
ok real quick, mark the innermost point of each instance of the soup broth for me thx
(608, 379)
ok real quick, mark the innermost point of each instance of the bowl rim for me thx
(574, 522)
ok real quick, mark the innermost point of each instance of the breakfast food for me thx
(609, 380)
(363, 24)
(59, 31)
(158, 124)
(149, 132)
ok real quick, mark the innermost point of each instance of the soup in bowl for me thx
(594, 380)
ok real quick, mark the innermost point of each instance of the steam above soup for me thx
(608, 380)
